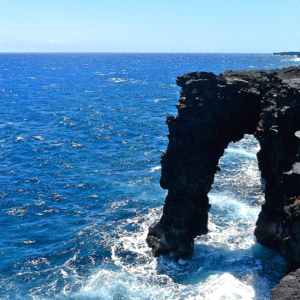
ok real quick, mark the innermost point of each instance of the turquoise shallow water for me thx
(80, 142)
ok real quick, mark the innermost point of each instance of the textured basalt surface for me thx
(288, 288)
(214, 111)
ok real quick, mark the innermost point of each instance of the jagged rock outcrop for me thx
(212, 112)
(288, 288)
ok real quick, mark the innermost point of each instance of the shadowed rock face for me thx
(214, 111)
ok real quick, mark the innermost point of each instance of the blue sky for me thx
(237, 26)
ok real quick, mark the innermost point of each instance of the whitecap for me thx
(28, 242)
(240, 151)
(155, 169)
(118, 80)
(19, 212)
(293, 58)
(38, 137)
(75, 145)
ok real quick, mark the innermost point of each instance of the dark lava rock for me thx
(288, 288)
(214, 111)
(288, 53)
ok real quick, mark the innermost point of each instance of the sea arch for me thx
(214, 111)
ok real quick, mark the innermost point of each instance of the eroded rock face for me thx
(214, 111)
(288, 288)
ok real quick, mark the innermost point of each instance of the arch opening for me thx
(236, 196)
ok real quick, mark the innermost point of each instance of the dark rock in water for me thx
(288, 288)
(288, 53)
(214, 111)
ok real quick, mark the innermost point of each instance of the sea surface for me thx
(81, 137)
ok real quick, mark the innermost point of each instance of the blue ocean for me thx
(81, 137)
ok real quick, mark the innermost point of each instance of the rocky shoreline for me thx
(288, 53)
(214, 111)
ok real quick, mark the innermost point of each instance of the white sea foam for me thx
(231, 237)
(108, 284)
(225, 286)
(56, 144)
(237, 209)
(19, 212)
(155, 169)
(118, 80)
(38, 137)
(133, 272)
(152, 278)
(75, 145)
(240, 151)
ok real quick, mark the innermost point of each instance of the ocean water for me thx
(80, 142)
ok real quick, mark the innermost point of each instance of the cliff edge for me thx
(214, 111)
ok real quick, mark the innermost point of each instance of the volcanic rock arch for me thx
(212, 112)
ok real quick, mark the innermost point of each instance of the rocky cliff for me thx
(214, 111)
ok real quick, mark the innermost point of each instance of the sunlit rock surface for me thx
(214, 111)
(288, 288)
